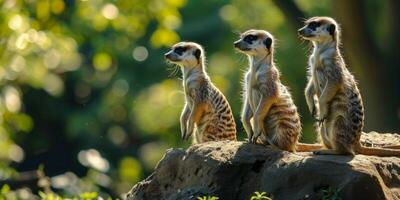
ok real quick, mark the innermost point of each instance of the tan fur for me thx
(332, 94)
(267, 102)
(206, 112)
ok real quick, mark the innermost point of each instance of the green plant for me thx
(49, 196)
(331, 194)
(260, 196)
(208, 198)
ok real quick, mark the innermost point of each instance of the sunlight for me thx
(53, 84)
(110, 11)
(16, 23)
(64, 180)
(92, 158)
(52, 59)
(21, 42)
(12, 99)
(18, 63)
(32, 35)
(16, 153)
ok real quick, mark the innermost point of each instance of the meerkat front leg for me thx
(184, 120)
(259, 116)
(310, 94)
(327, 94)
(194, 117)
(247, 114)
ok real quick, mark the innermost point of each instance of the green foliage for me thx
(331, 193)
(208, 198)
(88, 195)
(5, 189)
(260, 196)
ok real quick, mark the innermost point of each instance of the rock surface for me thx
(235, 170)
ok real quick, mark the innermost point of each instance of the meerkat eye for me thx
(180, 50)
(250, 38)
(313, 25)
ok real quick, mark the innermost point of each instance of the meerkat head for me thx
(255, 43)
(320, 29)
(187, 54)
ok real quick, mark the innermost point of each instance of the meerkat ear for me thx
(197, 53)
(267, 42)
(331, 29)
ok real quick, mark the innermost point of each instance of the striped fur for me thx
(217, 123)
(269, 113)
(283, 122)
(206, 113)
(340, 106)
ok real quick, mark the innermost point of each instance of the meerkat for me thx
(332, 94)
(206, 112)
(267, 102)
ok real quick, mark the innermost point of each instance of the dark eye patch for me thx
(180, 50)
(314, 25)
(250, 38)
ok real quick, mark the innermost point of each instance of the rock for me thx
(380, 139)
(235, 170)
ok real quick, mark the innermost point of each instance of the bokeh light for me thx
(92, 158)
(140, 53)
(102, 61)
(110, 11)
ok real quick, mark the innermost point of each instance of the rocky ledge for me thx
(235, 170)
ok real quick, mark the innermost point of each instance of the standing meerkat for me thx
(338, 104)
(266, 100)
(206, 111)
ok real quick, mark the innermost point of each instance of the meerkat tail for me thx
(376, 151)
(303, 147)
(391, 147)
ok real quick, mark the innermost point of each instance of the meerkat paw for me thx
(255, 137)
(323, 112)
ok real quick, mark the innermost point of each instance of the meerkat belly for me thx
(337, 111)
(319, 81)
(338, 106)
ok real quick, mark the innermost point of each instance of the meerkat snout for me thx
(168, 55)
(236, 44)
(174, 54)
